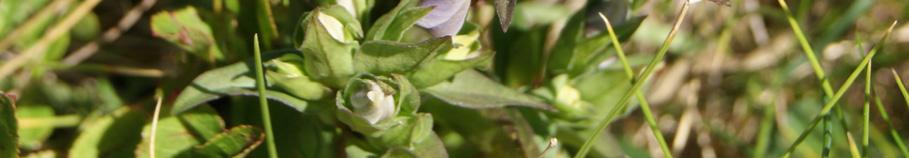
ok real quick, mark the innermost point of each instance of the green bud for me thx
(286, 74)
(369, 103)
(329, 40)
(565, 97)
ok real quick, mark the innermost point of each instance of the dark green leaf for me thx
(9, 146)
(383, 57)
(393, 25)
(234, 79)
(470, 89)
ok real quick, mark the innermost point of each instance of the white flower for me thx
(377, 106)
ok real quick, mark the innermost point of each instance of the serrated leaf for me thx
(185, 29)
(9, 146)
(234, 80)
(114, 135)
(504, 10)
(383, 57)
(236, 142)
(470, 89)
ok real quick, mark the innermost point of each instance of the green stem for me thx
(263, 102)
(585, 148)
(866, 112)
(645, 106)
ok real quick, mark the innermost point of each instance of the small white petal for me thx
(333, 26)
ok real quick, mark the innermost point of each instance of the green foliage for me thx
(449, 78)
(9, 138)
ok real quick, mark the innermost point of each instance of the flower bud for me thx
(329, 39)
(287, 74)
(446, 17)
(565, 97)
(368, 102)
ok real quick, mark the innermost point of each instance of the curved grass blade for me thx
(645, 106)
(263, 101)
(585, 148)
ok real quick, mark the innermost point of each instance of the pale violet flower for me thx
(446, 17)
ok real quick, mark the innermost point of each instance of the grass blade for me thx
(899, 83)
(263, 102)
(819, 73)
(582, 152)
(866, 112)
(839, 93)
(893, 133)
(645, 106)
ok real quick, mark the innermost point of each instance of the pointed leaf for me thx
(383, 57)
(504, 10)
(470, 89)
(235, 79)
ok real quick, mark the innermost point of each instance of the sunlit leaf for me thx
(115, 134)
(470, 89)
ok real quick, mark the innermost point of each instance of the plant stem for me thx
(585, 148)
(154, 124)
(645, 106)
(866, 112)
(263, 102)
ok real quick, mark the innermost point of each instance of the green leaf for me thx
(236, 142)
(504, 10)
(110, 135)
(383, 57)
(393, 25)
(8, 127)
(184, 28)
(530, 14)
(471, 89)
(173, 138)
(203, 122)
(31, 133)
(438, 70)
(236, 80)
